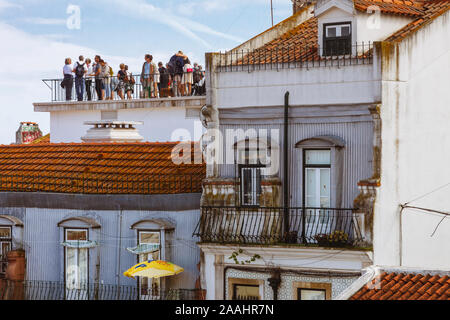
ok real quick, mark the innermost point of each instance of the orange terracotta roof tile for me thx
(431, 10)
(400, 286)
(397, 7)
(300, 44)
(113, 168)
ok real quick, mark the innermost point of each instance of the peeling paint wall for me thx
(415, 115)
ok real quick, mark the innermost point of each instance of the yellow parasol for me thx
(153, 269)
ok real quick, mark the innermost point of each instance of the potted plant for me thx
(322, 240)
(338, 238)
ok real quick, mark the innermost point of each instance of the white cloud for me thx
(7, 5)
(26, 60)
(45, 21)
(142, 9)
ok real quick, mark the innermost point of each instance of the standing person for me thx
(106, 81)
(97, 72)
(188, 78)
(163, 80)
(121, 77)
(88, 79)
(154, 78)
(67, 83)
(112, 83)
(145, 76)
(176, 65)
(129, 83)
(196, 75)
(79, 70)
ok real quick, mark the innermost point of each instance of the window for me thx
(245, 292)
(245, 289)
(250, 176)
(76, 259)
(149, 287)
(312, 291)
(317, 184)
(337, 39)
(311, 294)
(5, 247)
(317, 175)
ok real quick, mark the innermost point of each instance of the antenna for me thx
(271, 10)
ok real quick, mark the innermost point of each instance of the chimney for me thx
(28, 132)
(112, 131)
(297, 5)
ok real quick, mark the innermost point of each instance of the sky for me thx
(37, 35)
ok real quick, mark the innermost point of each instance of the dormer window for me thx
(337, 39)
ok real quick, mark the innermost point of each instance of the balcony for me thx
(137, 99)
(45, 290)
(324, 227)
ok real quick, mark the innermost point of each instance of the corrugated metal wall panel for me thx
(45, 255)
(357, 153)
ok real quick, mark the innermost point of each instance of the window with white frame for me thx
(337, 39)
(317, 185)
(253, 161)
(5, 247)
(76, 258)
(149, 287)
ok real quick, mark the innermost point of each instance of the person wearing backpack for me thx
(80, 70)
(176, 65)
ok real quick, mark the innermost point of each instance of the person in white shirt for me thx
(67, 83)
(88, 78)
(80, 70)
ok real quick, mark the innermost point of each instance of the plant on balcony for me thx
(337, 238)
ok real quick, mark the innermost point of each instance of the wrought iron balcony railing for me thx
(308, 226)
(296, 56)
(136, 89)
(44, 290)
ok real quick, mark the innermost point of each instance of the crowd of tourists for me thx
(176, 78)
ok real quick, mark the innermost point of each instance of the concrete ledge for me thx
(163, 202)
(191, 102)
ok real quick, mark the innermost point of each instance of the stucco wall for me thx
(314, 86)
(159, 123)
(415, 137)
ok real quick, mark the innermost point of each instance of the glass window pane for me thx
(5, 233)
(246, 292)
(76, 235)
(307, 294)
(318, 157)
(324, 188)
(331, 32)
(149, 237)
(310, 192)
(345, 31)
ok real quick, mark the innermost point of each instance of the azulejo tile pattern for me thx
(102, 168)
(405, 286)
(286, 290)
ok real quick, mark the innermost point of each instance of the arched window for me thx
(151, 237)
(77, 238)
(11, 233)
(256, 158)
(321, 172)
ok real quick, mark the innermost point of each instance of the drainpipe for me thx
(119, 250)
(286, 163)
(274, 283)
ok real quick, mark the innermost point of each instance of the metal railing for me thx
(295, 56)
(102, 183)
(137, 90)
(309, 226)
(45, 290)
